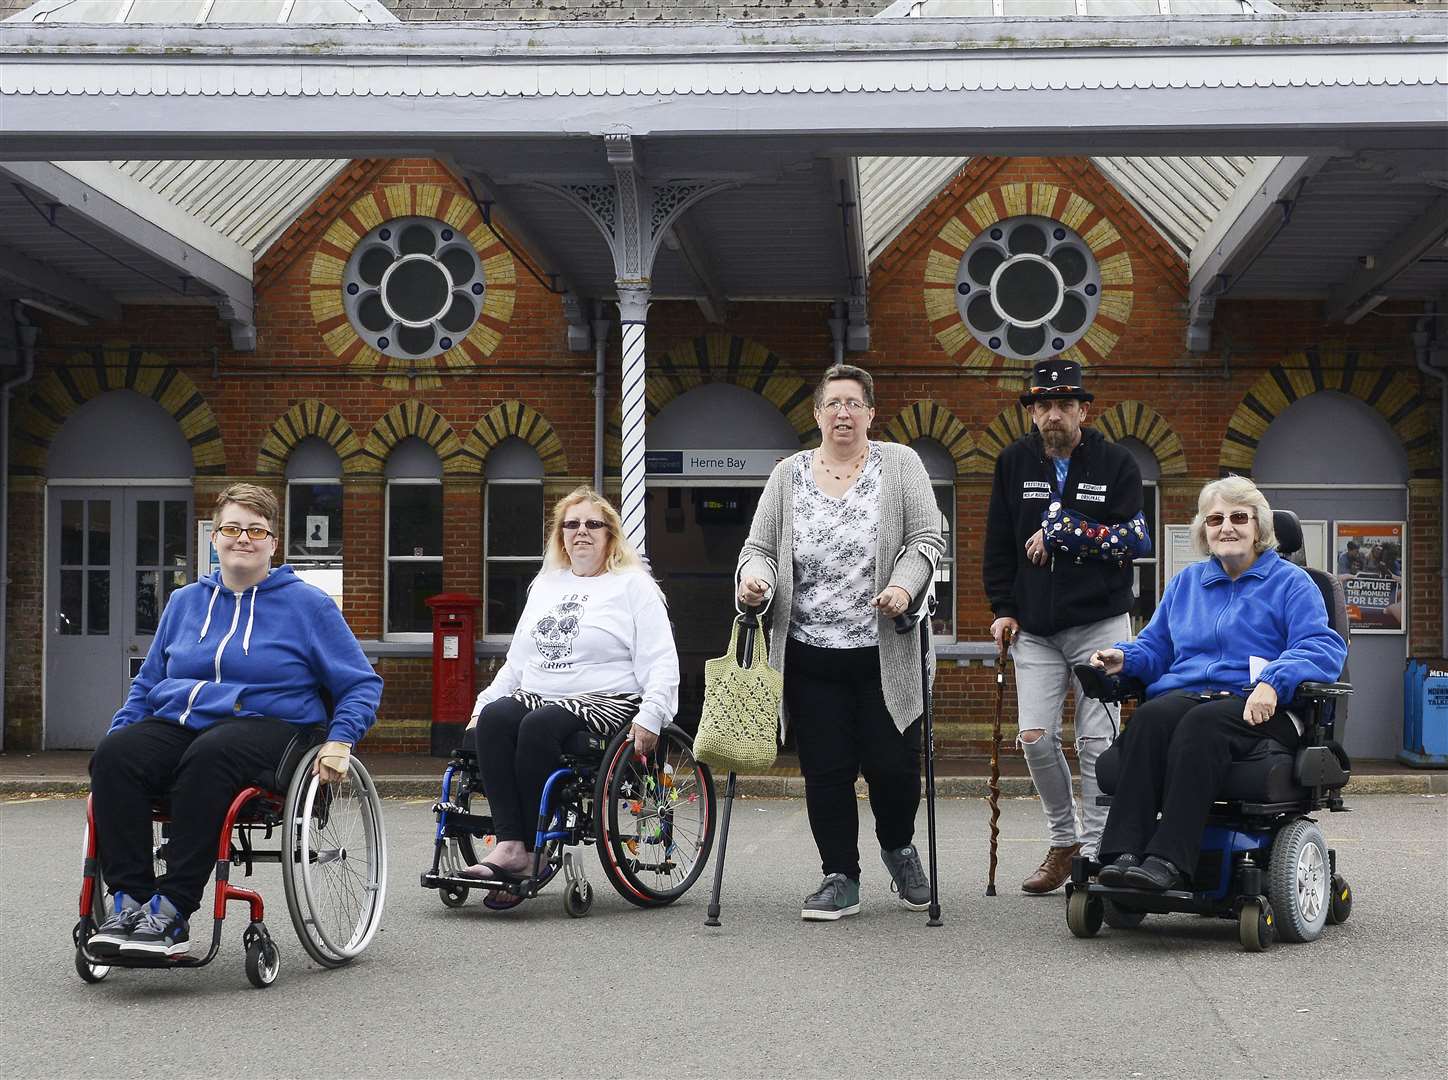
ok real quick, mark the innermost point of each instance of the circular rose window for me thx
(1028, 287)
(413, 287)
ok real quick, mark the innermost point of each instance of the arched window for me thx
(513, 531)
(414, 538)
(314, 515)
(1146, 580)
(941, 467)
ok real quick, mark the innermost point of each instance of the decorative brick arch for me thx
(1009, 425)
(927, 419)
(307, 419)
(1137, 420)
(426, 423)
(1391, 394)
(336, 246)
(52, 399)
(513, 419)
(1014, 200)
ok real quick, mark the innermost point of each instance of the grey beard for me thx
(1056, 440)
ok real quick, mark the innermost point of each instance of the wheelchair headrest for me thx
(1289, 532)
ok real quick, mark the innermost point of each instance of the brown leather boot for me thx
(1053, 872)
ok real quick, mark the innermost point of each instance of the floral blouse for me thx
(834, 558)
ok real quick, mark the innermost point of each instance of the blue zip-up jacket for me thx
(1208, 626)
(269, 651)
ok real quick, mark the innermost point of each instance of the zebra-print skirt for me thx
(602, 714)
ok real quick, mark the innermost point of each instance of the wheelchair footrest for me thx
(1160, 903)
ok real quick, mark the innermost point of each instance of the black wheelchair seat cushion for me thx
(280, 775)
(1264, 775)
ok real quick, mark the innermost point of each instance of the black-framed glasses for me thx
(592, 524)
(1237, 517)
(253, 532)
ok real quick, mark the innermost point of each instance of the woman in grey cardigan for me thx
(844, 538)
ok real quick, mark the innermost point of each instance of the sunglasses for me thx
(592, 525)
(1238, 517)
(253, 532)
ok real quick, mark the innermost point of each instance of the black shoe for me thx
(1155, 874)
(1114, 873)
(162, 932)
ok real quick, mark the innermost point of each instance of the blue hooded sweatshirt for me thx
(268, 651)
(1208, 627)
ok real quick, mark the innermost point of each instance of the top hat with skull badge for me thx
(1056, 378)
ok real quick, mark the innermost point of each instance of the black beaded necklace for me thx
(859, 461)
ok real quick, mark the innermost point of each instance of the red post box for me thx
(453, 689)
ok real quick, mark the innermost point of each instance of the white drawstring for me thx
(250, 619)
(207, 624)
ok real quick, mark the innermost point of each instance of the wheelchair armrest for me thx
(1322, 691)
(1095, 683)
(1321, 767)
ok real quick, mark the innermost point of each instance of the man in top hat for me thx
(1060, 609)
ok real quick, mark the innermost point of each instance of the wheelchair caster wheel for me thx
(1340, 905)
(91, 973)
(1084, 913)
(1120, 918)
(1256, 925)
(263, 962)
(453, 896)
(577, 899)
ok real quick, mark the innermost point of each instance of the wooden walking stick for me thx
(995, 758)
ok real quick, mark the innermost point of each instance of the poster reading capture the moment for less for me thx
(1369, 562)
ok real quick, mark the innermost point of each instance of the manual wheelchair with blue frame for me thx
(652, 819)
(333, 856)
(1263, 861)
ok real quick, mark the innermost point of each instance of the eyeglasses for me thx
(592, 524)
(835, 405)
(1238, 517)
(253, 532)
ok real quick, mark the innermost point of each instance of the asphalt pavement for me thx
(1001, 990)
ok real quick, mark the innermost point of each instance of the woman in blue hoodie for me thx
(1229, 644)
(239, 667)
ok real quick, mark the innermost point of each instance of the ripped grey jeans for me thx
(1043, 671)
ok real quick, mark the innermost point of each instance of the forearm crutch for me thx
(921, 617)
(750, 622)
(995, 758)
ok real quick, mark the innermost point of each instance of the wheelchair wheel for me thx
(1340, 906)
(1084, 913)
(655, 819)
(1120, 918)
(577, 899)
(263, 961)
(1299, 881)
(334, 868)
(1256, 925)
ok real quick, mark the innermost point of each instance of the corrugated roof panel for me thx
(1181, 195)
(249, 202)
(894, 190)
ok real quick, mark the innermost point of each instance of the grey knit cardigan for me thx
(909, 547)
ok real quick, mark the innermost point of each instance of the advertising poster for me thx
(1368, 558)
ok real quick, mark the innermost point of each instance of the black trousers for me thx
(518, 749)
(200, 772)
(1174, 758)
(842, 728)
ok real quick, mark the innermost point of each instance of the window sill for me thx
(374, 649)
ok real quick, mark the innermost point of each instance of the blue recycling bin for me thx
(1425, 714)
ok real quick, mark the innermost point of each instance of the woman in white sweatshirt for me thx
(593, 650)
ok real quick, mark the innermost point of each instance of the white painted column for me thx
(633, 306)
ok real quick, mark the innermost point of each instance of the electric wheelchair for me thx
(652, 820)
(1264, 862)
(333, 857)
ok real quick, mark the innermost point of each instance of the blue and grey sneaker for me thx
(126, 912)
(161, 932)
(836, 897)
(907, 877)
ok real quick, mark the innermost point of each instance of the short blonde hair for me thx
(254, 497)
(1235, 491)
(621, 554)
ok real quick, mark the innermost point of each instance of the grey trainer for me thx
(836, 897)
(112, 933)
(907, 877)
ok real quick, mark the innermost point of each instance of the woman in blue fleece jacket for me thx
(238, 669)
(1230, 642)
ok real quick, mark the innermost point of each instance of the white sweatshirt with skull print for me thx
(608, 634)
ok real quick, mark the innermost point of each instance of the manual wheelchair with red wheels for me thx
(333, 857)
(652, 819)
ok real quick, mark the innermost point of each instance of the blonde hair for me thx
(254, 497)
(621, 557)
(1235, 491)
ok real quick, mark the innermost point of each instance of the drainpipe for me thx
(1423, 335)
(838, 320)
(25, 335)
(600, 350)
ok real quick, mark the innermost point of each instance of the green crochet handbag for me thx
(739, 727)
